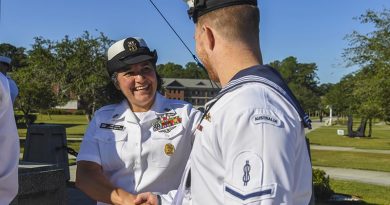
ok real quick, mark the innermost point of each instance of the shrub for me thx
(79, 112)
(322, 190)
(55, 111)
(22, 121)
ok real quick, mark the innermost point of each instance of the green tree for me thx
(192, 70)
(371, 51)
(302, 80)
(74, 68)
(35, 91)
(340, 96)
(17, 54)
(81, 69)
(35, 81)
(170, 70)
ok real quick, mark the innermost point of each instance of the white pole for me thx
(330, 115)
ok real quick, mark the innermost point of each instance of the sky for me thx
(313, 31)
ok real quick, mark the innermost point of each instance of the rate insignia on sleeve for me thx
(246, 197)
(111, 126)
(245, 183)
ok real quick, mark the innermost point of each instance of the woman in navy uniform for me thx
(140, 144)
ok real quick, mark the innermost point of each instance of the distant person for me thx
(5, 67)
(140, 144)
(250, 147)
(9, 145)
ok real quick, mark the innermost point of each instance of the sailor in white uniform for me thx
(140, 144)
(9, 146)
(250, 146)
(256, 154)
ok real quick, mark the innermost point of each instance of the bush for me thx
(55, 111)
(21, 121)
(79, 112)
(322, 190)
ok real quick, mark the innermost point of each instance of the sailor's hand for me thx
(146, 198)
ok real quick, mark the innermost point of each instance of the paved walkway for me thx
(365, 176)
(348, 149)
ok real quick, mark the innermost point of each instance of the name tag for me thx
(111, 126)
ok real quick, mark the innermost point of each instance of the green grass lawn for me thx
(370, 194)
(328, 136)
(75, 124)
(354, 160)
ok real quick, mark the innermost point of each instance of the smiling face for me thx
(139, 85)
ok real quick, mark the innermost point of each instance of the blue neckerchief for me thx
(267, 76)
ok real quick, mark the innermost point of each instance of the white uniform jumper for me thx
(9, 146)
(145, 155)
(250, 147)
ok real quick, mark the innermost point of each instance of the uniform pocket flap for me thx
(111, 136)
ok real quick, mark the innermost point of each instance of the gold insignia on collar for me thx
(207, 117)
(169, 149)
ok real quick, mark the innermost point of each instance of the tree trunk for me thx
(88, 116)
(361, 132)
(48, 113)
(350, 126)
(369, 127)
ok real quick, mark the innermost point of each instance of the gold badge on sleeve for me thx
(169, 149)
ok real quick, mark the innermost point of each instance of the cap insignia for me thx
(131, 44)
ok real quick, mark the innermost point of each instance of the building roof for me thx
(189, 83)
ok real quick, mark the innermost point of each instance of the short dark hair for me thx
(239, 22)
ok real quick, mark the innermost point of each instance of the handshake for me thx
(121, 197)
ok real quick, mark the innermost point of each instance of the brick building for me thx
(195, 91)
